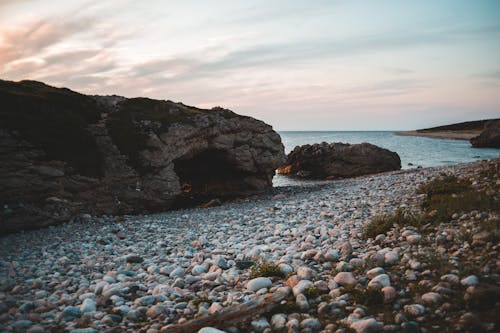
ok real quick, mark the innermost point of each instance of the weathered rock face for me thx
(63, 154)
(489, 137)
(339, 160)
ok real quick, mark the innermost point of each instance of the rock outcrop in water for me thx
(489, 137)
(64, 154)
(339, 160)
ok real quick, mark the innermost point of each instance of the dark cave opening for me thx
(206, 176)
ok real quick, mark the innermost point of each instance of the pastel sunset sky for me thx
(297, 65)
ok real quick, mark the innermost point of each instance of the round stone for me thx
(380, 281)
(278, 322)
(259, 325)
(391, 258)
(431, 298)
(301, 287)
(374, 272)
(311, 323)
(414, 309)
(198, 270)
(259, 283)
(72, 312)
(471, 280)
(345, 279)
(210, 330)
(88, 305)
(367, 326)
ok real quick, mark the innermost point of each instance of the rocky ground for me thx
(297, 260)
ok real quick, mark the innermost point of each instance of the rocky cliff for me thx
(489, 137)
(64, 154)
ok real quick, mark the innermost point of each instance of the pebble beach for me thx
(155, 273)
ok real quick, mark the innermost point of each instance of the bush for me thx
(265, 269)
(383, 223)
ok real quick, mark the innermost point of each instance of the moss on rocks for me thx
(54, 119)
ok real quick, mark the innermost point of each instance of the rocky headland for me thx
(338, 160)
(405, 251)
(489, 137)
(65, 156)
(481, 133)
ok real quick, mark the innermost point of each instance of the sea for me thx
(413, 151)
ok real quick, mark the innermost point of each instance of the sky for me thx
(297, 65)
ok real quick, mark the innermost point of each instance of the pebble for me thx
(345, 279)
(305, 273)
(301, 287)
(210, 330)
(259, 325)
(72, 312)
(471, 280)
(278, 321)
(374, 272)
(134, 259)
(172, 267)
(431, 298)
(259, 283)
(84, 330)
(178, 272)
(311, 323)
(88, 305)
(391, 258)
(389, 294)
(198, 269)
(302, 302)
(413, 239)
(414, 309)
(22, 324)
(452, 278)
(380, 281)
(369, 325)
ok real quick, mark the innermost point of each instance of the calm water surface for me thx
(425, 152)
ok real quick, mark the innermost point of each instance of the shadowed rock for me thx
(489, 137)
(64, 154)
(339, 160)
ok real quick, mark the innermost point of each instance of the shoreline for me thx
(447, 135)
(190, 263)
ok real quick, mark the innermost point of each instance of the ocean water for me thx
(418, 151)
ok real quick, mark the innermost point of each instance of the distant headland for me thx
(459, 131)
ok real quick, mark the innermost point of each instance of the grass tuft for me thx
(265, 269)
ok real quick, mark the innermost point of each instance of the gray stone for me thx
(259, 325)
(259, 283)
(210, 330)
(72, 312)
(88, 305)
(311, 323)
(380, 281)
(345, 279)
(367, 326)
(22, 324)
(278, 321)
(471, 280)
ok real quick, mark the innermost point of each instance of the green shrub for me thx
(445, 185)
(370, 297)
(383, 223)
(265, 269)
(54, 119)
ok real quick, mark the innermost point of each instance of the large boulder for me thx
(64, 154)
(489, 137)
(338, 160)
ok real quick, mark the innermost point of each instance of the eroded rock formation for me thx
(63, 154)
(489, 137)
(338, 160)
